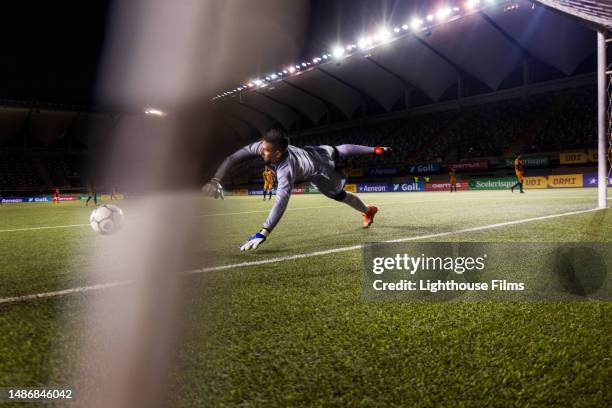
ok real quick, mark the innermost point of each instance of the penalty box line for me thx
(45, 295)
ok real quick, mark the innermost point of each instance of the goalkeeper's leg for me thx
(348, 150)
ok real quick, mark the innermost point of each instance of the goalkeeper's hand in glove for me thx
(213, 189)
(255, 240)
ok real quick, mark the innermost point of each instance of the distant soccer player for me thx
(453, 179)
(518, 170)
(293, 165)
(56, 196)
(92, 193)
(268, 176)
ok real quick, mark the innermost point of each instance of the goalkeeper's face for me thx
(270, 153)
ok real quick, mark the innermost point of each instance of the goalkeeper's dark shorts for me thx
(330, 180)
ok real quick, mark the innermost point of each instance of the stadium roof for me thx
(595, 11)
(487, 47)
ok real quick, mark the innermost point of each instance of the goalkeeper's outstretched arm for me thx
(283, 193)
(214, 187)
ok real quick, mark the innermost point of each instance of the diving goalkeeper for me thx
(294, 165)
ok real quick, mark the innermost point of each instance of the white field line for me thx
(293, 257)
(41, 228)
(338, 205)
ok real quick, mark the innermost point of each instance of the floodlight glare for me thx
(154, 112)
(291, 69)
(430, 17)
(384, 35)
(405, 27)
(443, 13)
(338, 51)
(416, 24)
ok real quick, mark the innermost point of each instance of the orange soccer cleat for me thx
(383, 151)
(368, 217)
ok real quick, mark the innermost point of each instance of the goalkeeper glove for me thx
(213, 189)
(255, 240)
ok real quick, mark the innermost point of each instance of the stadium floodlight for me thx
(325, 56)
(430, 17)
(303, 64)
(397, 29)
(416, 23)
(291, 69)
(362, 43)
(338, 51)
(285, 71)
(405, 27)
(154, 112)
(442, 14)
(257, 82)
(384, 35)
(273, 76)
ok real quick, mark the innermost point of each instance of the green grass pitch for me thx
(297, 333)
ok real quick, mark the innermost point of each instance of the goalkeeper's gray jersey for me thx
(309, 164)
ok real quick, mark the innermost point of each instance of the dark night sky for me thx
(51, 50)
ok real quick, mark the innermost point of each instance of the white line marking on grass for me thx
(40, 228)
(293, 257)
(405, 239)
(64, 292)
(266, 211)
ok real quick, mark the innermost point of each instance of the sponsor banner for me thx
(38, 199)
(492, 183)
(573, 157)
(297, 190)
(256, 180)
(535, 182)
(241, 192)
(259, 191)
(408, 187)
(228, 192)
(591, 180)
(445, 186)
(565, 180)
(383, 171)
(351, 188)
(469, 165)
(355, 173)
(373, 187)
(423, 168)
(528, 161)
(72, 197)
(311, 190)
(10, 200)
(592, 155)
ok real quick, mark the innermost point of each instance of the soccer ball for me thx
(106, 219)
